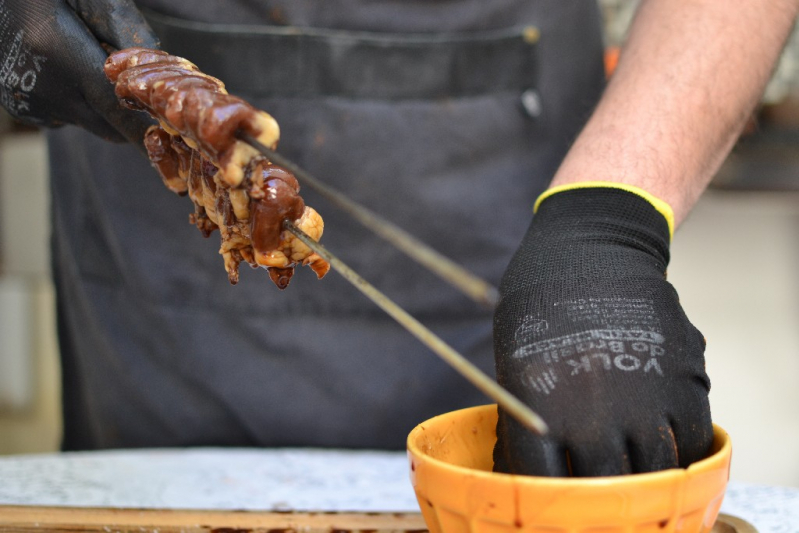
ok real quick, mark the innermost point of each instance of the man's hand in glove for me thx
(589, 333)
(51, 63)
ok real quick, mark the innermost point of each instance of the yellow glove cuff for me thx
(660, 206)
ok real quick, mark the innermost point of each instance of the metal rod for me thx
(488, 386)
(472, 286)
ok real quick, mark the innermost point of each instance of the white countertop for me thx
(274, 480)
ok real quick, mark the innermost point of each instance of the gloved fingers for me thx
(519, 451)
(693, 427)
(128, 124)
(70, 65)
(88, 119)
(601, 457)
(98, 109)
(114, 125)
(693, 434)
(541, 458)
(118, 23)
(653, 449)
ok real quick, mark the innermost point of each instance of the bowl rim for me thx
(711, 462)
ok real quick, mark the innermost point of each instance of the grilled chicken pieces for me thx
(196, 152)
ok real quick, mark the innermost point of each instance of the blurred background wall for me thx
(735, 264)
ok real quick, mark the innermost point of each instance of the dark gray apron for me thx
(429, 129)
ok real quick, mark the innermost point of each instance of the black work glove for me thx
(589, 334)
(52, 63)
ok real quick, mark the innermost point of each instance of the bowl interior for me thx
(465, 439)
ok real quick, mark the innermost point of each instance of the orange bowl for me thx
(451, 461)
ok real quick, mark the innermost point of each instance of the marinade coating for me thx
(191, 104)
(197, 153)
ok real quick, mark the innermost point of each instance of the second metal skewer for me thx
(451, 272)
(466, 368)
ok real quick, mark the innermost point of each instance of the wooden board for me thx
(20, 519)
(69, 519)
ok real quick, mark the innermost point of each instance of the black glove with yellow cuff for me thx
(589, 333)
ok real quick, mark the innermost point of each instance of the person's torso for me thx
(148, 302)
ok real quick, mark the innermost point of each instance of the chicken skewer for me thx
(459, 363)
(195, 150)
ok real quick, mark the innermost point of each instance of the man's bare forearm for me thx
(689, 76)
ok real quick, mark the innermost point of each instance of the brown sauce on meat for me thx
(281, 276)
(159, 149)
(281, 201)
(121, 60)
(165, 159)
(194, 103)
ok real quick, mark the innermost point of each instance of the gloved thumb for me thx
(117, 23)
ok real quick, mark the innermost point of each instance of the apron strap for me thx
(287, 61)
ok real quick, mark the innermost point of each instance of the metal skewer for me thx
(488, 386)
(472, 286)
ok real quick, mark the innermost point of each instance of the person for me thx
(449, 118)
